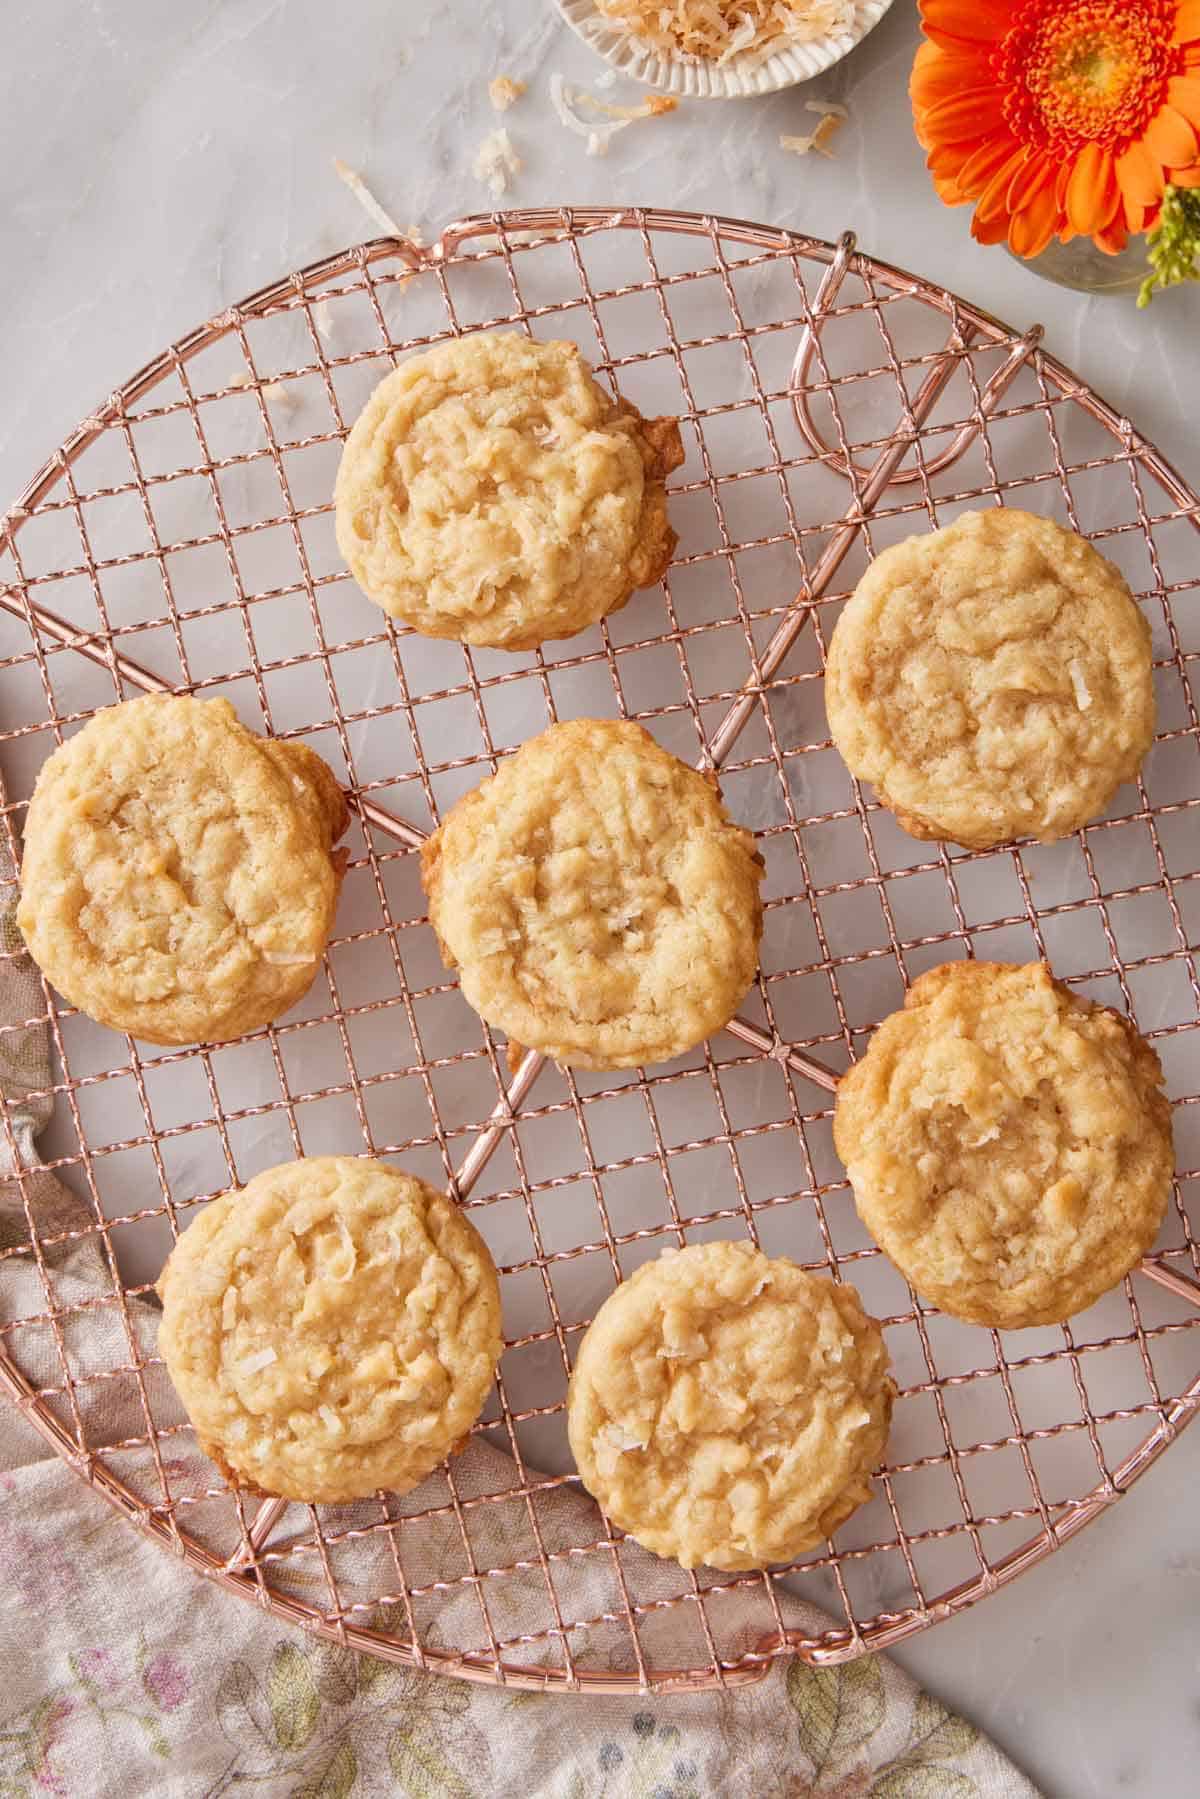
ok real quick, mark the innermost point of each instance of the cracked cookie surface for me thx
(492, 491)
(332, 1329)
(1009, 1143)
(727, 1408)
(992, 680)
(596, 899)
(178, 879)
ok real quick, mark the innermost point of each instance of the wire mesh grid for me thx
(182, 539)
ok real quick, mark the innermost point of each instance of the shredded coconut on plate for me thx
(718, 30)
(832, 117)
(496, 161)
(504, 92)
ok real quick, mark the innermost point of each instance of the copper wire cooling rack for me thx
(181, 539)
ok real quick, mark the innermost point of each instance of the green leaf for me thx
(421, 1770)
(915, 1782)
(336, 1673)
(837, 1709)
(240, 1703)
(292, 1693)
(938, 1734)
(336, 1779)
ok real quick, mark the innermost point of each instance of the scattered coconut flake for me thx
(331, 1420)
(229, 1309)
(366, 198)
(1083, 697)
(717, 30)
(832, 116)
(496, 161)
(504, 92)
(285, 401)
(322, 318)
(280, 959)
(599, 131)
(254, 1364)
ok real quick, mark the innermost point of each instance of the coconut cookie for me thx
(492, 492)
(596, 899)
(1009, 1143)
(728, 1409)
(992, 681)
(178, 879)
(332, 1329)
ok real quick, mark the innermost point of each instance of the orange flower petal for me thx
(982, 163)
(1186, 177)
(1135, 214)
(1092, 191)
(936, 76)
(989, 231)
(1169, 137)
(1183, 92)
(947, 160)
(1187, 22)
(1140, 176)
(969, 115)
(983, 21)
(993, 201)
(948, 190)
(1112, 239)
(1031, 228)
(1027, 183)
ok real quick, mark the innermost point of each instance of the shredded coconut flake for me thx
(832, 116)
(280, 958)
(620, 1439)
(1083, 697)
(504, 92)
(605, 120)
(331, 1420)
(718, 30)
(366, 198)
(229, 1309)
(348, 1246)
(254, 1364)
(496, 161)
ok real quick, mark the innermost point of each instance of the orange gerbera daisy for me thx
(1062, 118)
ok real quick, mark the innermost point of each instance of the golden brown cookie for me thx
(332, 1329)
(596, 899)
(1009, 1143)
(992, 680)
(178, 879)
(728, 1409)
(492, 492)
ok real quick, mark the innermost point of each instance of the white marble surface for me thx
(162, 161)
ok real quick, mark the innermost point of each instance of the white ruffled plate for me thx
(691, 78)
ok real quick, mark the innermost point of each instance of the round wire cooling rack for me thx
(182, 539)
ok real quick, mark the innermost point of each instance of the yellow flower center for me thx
(1086, 71)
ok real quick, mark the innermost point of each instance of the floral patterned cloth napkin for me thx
(123, 1674)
